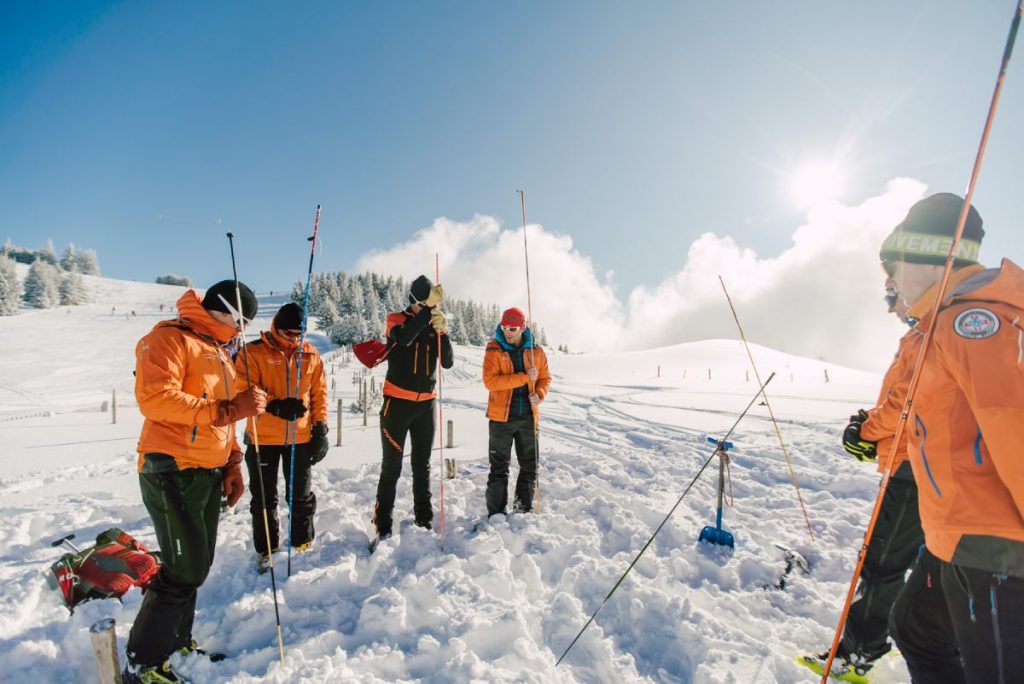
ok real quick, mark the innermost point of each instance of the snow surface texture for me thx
(621, 436)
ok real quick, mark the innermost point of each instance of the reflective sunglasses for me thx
(511, 328)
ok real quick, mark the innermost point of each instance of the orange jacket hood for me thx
(923, 306)
(190, 308)
(286, 344)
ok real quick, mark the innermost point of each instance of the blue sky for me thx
(147, 130)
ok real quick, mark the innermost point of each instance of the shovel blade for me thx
(716, 535)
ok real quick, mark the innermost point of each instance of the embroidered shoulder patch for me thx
(976, 324)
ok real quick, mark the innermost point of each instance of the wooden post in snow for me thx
(113, 406)
(339, 423)
(104, 648)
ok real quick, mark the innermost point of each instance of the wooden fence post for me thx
(113, 406)
(339, 423)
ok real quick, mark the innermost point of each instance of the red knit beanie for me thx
(513, 316)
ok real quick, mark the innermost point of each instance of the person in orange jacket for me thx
(294, 416)
(897, 536)
(188, 456)
(515, 373)
(960, 616)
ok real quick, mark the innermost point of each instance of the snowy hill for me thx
(621, 437)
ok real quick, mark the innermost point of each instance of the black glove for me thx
(861, 449)
(286, 409)
(318, 444)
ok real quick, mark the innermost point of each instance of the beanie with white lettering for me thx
(926, 234)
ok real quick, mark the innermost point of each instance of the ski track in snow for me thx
(499, 603)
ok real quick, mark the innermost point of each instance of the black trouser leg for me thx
(987, 612)
(303, 499)
(185, 508)
(525, 440)
(399, 417)
(894, 545)
(421, 435)
(922, 628)
(269, 458)
(499, 453)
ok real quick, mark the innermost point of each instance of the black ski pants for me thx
(955, 624)
(185, 508)
(303, 506)
(894, 546)
(399, 418)
(518, 432)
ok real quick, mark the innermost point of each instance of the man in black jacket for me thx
(416, 337)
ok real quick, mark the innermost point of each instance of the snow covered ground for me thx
(621, 437)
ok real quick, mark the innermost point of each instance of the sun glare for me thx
(816, 183)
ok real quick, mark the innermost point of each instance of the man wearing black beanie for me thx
(222, 297)
(960, 616)
(418, 337)
(188, 456)
(296, 386)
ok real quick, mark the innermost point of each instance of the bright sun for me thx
(815, 183)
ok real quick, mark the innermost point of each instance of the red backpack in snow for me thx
(372, 352)
(114, 565)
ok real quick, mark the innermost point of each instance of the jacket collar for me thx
(924, 303)
(499, 337)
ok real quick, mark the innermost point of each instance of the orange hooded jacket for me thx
(273, 366)
(880, 427)
(967, 423)
(182, 373)
(501, 378)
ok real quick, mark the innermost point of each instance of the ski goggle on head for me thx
(237, 317)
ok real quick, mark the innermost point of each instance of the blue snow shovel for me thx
(716, 535)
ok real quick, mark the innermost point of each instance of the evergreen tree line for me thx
(50, 282)
(353, 309)
(174, 279)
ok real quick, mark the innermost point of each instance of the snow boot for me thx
(152, 674)
(852, 669)
(193, 647)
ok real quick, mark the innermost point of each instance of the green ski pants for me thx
(184, 506)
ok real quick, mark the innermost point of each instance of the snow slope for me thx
(621, 437)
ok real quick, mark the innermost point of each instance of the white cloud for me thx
(480, 260)
(821, 297)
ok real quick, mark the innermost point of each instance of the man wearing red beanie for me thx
(516, 375)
